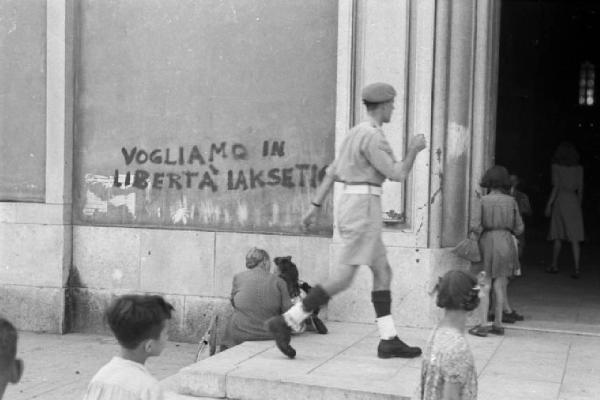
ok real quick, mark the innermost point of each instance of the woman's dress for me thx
(566, 222)
(501, 222)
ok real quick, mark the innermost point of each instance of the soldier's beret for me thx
(378, 92)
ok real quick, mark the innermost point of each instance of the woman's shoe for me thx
(496, 330)
(514, 315)
(479, 330)
(575, 275)
(508, 318)
(552, 270)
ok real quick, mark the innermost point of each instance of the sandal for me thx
(479, 330)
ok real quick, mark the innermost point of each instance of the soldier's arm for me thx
(320, 195)
(234, 290)
(323, 189)
(380, 155)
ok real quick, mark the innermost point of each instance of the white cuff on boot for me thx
(387, 329)
(295, 316)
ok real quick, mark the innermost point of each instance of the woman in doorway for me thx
(564, 204)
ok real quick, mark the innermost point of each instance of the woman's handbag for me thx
(468, 249)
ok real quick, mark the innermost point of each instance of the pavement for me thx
(556, 302)
(522, 365)
(60, 367)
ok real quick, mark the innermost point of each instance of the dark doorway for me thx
(549, 60)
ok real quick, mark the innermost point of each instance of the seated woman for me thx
(256, 296)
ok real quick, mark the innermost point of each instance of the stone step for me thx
(340, 365)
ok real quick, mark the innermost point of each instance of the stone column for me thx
(59, 131)
(36, 238)
(485, 96)
(463, 123)
(439, 122)
(459, 122)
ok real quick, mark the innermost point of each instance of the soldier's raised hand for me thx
(417, 142)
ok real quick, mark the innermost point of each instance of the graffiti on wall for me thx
(196, 171)
(202, 178)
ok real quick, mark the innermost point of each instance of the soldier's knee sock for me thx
(302, 310)
(382, 301)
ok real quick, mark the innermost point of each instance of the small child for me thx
(523, 205)
(11, 368)
(448, 368)
(139, 323)
(298, 290)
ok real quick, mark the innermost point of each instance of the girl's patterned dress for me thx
(447, 359)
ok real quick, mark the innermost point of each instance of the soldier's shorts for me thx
(359, 219)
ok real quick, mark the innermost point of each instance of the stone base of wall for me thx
(32, 308)
(194, 270)
(85, 312)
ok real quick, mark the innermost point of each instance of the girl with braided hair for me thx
(448, 368)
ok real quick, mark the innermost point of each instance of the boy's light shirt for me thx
(122, 379)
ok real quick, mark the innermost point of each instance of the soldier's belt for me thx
(363, 189)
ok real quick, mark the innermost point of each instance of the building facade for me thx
(146, 146)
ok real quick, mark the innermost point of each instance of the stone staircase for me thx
(340, 365)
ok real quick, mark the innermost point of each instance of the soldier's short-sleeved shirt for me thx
(365, 157)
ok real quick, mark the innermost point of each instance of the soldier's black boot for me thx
(396, 348)
(282, 334)
(318, 324)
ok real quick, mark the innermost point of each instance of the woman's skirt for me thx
(499, 253)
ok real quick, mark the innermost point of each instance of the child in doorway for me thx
(298, 290)
(140, 325)
(448, 368)
(11, 368)
(523, 205)
(500, 222)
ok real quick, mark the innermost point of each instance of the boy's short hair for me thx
(8, 344)
(457, 290)
(135, 318)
